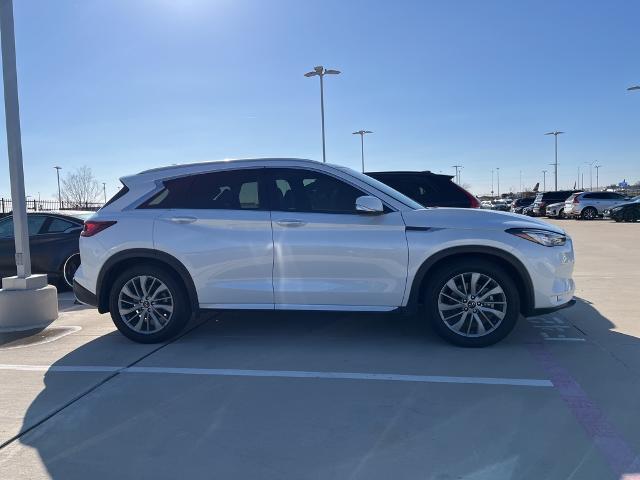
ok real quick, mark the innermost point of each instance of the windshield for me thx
(386, 189)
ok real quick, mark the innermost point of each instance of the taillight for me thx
(91, 227)
(473, 201)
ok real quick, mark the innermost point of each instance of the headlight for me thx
(542, 237)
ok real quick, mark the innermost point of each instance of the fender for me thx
(156, 255)
(528, 302)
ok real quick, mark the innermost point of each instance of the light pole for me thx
(498, 179)
(555, 165)
(362, 133)
(104, 190)
(59, 195)
(597, 167)
(590, 175)
(320, 71)
(491, 183)
(26, 301)
(544, 180)
(457, 167)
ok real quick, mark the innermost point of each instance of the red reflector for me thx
(92, 227)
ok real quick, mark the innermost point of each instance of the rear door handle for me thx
(183, 220)
(291, 223)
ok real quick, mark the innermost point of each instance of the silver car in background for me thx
(591, 205)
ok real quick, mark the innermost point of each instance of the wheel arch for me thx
(506, 260)
(122, 260)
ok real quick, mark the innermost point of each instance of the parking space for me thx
(331, 395)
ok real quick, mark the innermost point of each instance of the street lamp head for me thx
(635, 87)
(554, 133)
(319, 69)
(311, 74)
(361, 132)
(332, 72)
(58, 168)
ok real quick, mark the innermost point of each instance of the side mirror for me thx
(369, 204)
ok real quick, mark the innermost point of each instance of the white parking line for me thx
(232, 372)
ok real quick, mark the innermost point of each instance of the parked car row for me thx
(580, 205)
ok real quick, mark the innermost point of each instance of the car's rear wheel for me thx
(472, 303)
(148, 304)
(589, 213)
(560, 213)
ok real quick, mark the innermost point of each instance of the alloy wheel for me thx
(472, 304)
(145, 304)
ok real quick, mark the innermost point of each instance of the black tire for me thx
(178, 318)
(69, 268)
(560, 214)
(630, 216)
(589, 213)
(439, 279)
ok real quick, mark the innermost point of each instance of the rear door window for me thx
(225, 190)
(58, 225)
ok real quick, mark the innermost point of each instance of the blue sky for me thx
(124, 85)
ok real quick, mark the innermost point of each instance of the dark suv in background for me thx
(547, 198)
(428, 189)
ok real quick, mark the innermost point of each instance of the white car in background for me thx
(291, 234)
(591, 205)
(555, 210)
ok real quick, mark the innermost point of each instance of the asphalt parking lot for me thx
(337, 396)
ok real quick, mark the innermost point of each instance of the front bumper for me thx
(543, 311)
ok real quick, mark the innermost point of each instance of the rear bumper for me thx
(83, 295)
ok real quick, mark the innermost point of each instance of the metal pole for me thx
(498, 179)
(555, 169)
(104, 190)
(544, 180)
(362, 149)
(14, 144)
(324, 157)
(59, 195)
(492, 183)
(597, 182)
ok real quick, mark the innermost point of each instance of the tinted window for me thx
(227, 190)
(6, 228)
(58, 225)
(35, 223)
(119, 194)
(427, 190)
(307, 191)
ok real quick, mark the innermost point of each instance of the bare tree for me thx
(80, 187)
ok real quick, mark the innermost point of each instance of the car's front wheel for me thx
(148, 304)
(472, 303)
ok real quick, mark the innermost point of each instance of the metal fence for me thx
(34, 205)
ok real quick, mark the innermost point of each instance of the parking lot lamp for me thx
(59, 195)
(498, 179)
(104, 190)
(635, 87)
(458, 168)
(491, 183)
(362, 133)
(555, 164)
(26, 301)
(597, 167)
(320, 71)
(544, 180)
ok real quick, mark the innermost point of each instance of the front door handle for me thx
(183, 220)
(291, 223)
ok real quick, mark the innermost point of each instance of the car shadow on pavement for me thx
(124, 425)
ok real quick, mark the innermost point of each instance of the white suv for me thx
(293, 234)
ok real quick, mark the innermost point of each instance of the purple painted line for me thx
(620, 457)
